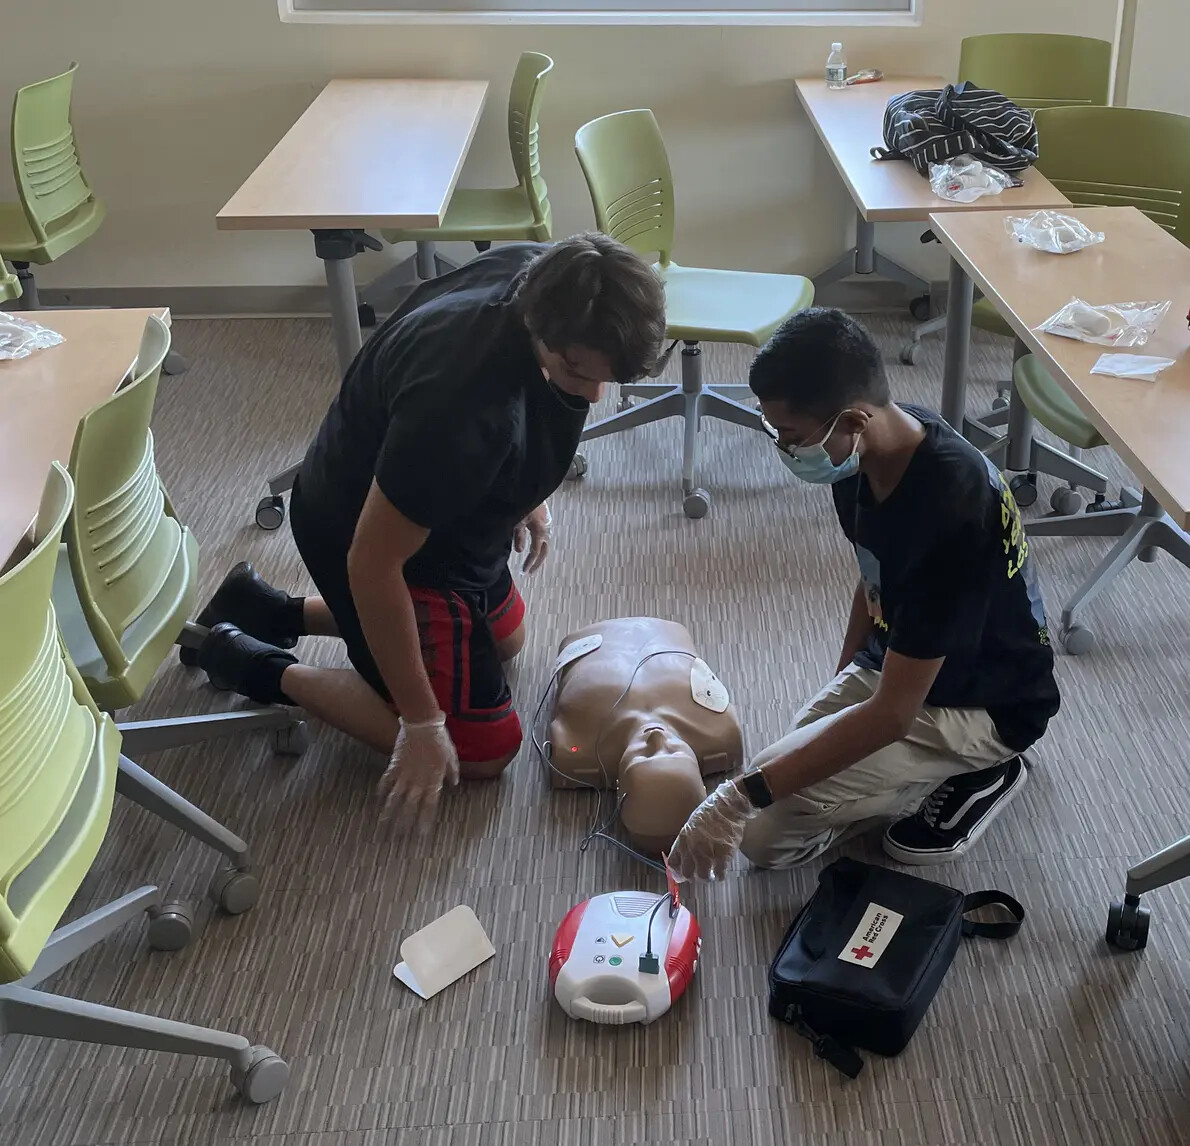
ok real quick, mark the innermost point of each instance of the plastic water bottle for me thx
(836, 67)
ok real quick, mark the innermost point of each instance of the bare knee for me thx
(512, 644)
(484, 769)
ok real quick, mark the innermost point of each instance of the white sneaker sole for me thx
(942, 855)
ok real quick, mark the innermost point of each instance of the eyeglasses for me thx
(791, 448)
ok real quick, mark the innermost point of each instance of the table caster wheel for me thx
(1001, 401)
(265, 1078)
(235, 891)
(1077, 641)
(367, 315)
(578, 468)
(1024, 489)
(1148, 554)
(1065, 501)
(1127, 926)
(170, 927)
(270, 512)
(292, 740)
(696, 503)
(920, 307)
(909, 353)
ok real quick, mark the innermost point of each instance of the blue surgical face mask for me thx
(813, 464)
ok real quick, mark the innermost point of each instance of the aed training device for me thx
(624, 957)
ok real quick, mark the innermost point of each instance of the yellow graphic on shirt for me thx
(1016, 546)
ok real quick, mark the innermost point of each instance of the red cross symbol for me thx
(864, 952)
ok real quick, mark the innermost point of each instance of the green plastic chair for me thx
(1106, 156)
(125, 583)
(60, 767)
(624, 161)
(10, 285)
(487, 215)
(57, 208)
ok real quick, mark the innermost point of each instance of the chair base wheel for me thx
(270, 512)
(696, 504)
(578, 468)
(1024, 489)
(264, 1079)
(909, 353)
(188, 656)
(1000, 401)
(920, 307)
(234, 891)
(292, 740)
(367, 315)
(1065, 502)
(1076, 640)
(1127, 926)
(171, 927)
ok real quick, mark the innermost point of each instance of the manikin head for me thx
(596, 311)
(661, 784)
(820, 380)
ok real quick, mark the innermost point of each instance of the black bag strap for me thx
(1003, 930)
(842, 1057)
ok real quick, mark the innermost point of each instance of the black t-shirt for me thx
(945, 565)
(447, 408)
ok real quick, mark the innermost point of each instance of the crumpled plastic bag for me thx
(1052, 232)
(964, 179)
(1143, 366)
(1112, 324)
(19, 337)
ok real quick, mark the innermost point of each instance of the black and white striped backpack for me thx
(927, 127)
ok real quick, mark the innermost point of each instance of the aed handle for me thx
(616, 1014)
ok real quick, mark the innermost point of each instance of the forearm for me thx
(828, 746)
(859, 628)
(386, 615)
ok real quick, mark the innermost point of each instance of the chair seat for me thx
(1051, 405)
(19, 244)
(987, 317)
(704, 305)
(485, 215)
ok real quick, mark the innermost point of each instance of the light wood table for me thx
(42, 398)
(365, 153)
(1147, 423)
(850, 122)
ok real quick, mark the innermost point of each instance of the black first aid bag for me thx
(862, 961)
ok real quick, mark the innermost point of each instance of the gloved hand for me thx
(534, 531)
(422, 760)
(712, 834)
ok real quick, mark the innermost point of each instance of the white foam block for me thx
(443, 952)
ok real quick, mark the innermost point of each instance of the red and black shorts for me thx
(459, 632)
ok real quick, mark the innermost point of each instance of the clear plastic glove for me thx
(422, 761)
(712, 834)
(534, 532)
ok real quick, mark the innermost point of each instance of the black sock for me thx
(293, 616)
(262, 677)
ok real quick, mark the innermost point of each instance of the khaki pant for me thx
(885, 786)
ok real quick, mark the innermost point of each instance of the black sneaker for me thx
(237, 662)
(250, 603)
(955, 814)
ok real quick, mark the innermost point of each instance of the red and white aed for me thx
(595, 964)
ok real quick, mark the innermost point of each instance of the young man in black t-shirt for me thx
(946, 673)
(454, 423)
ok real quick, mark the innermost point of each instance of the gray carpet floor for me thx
(1045, 1039)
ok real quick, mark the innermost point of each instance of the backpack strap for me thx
(1002, 930)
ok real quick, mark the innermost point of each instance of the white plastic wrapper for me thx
(1112, 324)
(19, 337)
(965, 179)
(1143, 366)
(1052, 232)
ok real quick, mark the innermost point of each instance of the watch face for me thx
(758, 790)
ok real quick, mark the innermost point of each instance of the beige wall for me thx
(177, 100)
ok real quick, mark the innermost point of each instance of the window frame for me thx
(290, 13)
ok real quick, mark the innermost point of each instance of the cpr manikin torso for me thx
(672, 727)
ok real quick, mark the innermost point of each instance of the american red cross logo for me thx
(864, 952)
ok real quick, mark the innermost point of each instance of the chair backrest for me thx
(53, 807)
(623, 159)
(1120, 157)
(1036, 70)
(121, 538)
(45, 160)
(524, 106)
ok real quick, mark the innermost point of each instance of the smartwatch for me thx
(756, 788)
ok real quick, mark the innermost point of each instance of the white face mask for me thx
(813, 464)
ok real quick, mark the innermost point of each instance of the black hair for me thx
(818, 362)
(590, 290)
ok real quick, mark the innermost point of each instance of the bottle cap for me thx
(836, 47)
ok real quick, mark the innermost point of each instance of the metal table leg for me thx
(960, 299)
